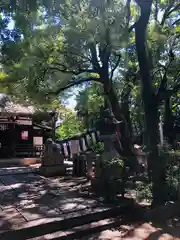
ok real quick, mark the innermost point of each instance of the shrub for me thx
(110, 180)
(98, 148)
(144, 191)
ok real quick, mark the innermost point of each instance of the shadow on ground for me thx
(32, 206)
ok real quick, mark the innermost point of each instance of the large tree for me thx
(84, 44)
(152, 99)
(83, 41)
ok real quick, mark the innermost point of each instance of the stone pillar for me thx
(102, 183)
(109, 150)
(90, 158)
(75, 165)
(79, 165)
(98, 166)
(53, 160)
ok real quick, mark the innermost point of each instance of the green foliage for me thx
(98, 148)
(110, 181)
(70, 127)
(89, 102)
(50, 49)
(144, 191)
(53, 44)
(173, 175)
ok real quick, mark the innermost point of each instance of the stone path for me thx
(28, 197)
(32, 205)
(29, 200)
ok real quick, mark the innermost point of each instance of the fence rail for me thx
(78, 144)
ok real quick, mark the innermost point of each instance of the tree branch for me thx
(175, 89)
(167, 11)
(116, 65)
(156, 11)
(174, 9)
(131, 27)
(128, 12)
(158, 71)
(163, 83)
(69, 52)
(170, 92)
(170, 10)
(105, 51)
(95, 62)
(64, 69)
(75, 83)
(176, 22)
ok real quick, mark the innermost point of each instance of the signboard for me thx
(24, 135)
(4, 127)
(37, 141)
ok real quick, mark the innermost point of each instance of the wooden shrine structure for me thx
(21, 135)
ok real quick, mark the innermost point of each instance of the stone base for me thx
(52, 171)
(111, 187)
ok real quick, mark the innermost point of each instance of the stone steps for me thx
(83, 231)
(19, 161)
(70, 226)
(19, 170)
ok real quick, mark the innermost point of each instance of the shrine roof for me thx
(19, 109)
(7, 106)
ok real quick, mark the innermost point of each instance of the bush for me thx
(98, 148)
(112, 169)
(144, 191)
(173, 175)
(110, 181)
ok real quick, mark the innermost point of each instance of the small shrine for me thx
(23, 130)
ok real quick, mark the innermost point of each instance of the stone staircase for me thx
(83, 224)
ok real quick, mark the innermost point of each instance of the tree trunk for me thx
(168, 122)
(157, 173)
(156, 164)
(126, 110)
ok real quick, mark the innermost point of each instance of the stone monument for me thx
(52, 161)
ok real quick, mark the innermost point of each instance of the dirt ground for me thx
(139, 231)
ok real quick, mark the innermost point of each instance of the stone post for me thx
(102, 182)
(75, 165)
(79, 165)
(90, 158)
(98, 166)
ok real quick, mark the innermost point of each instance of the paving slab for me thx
(9, 218)
(8, 180)
(33, 197)
(34, 211)
(29, 200)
